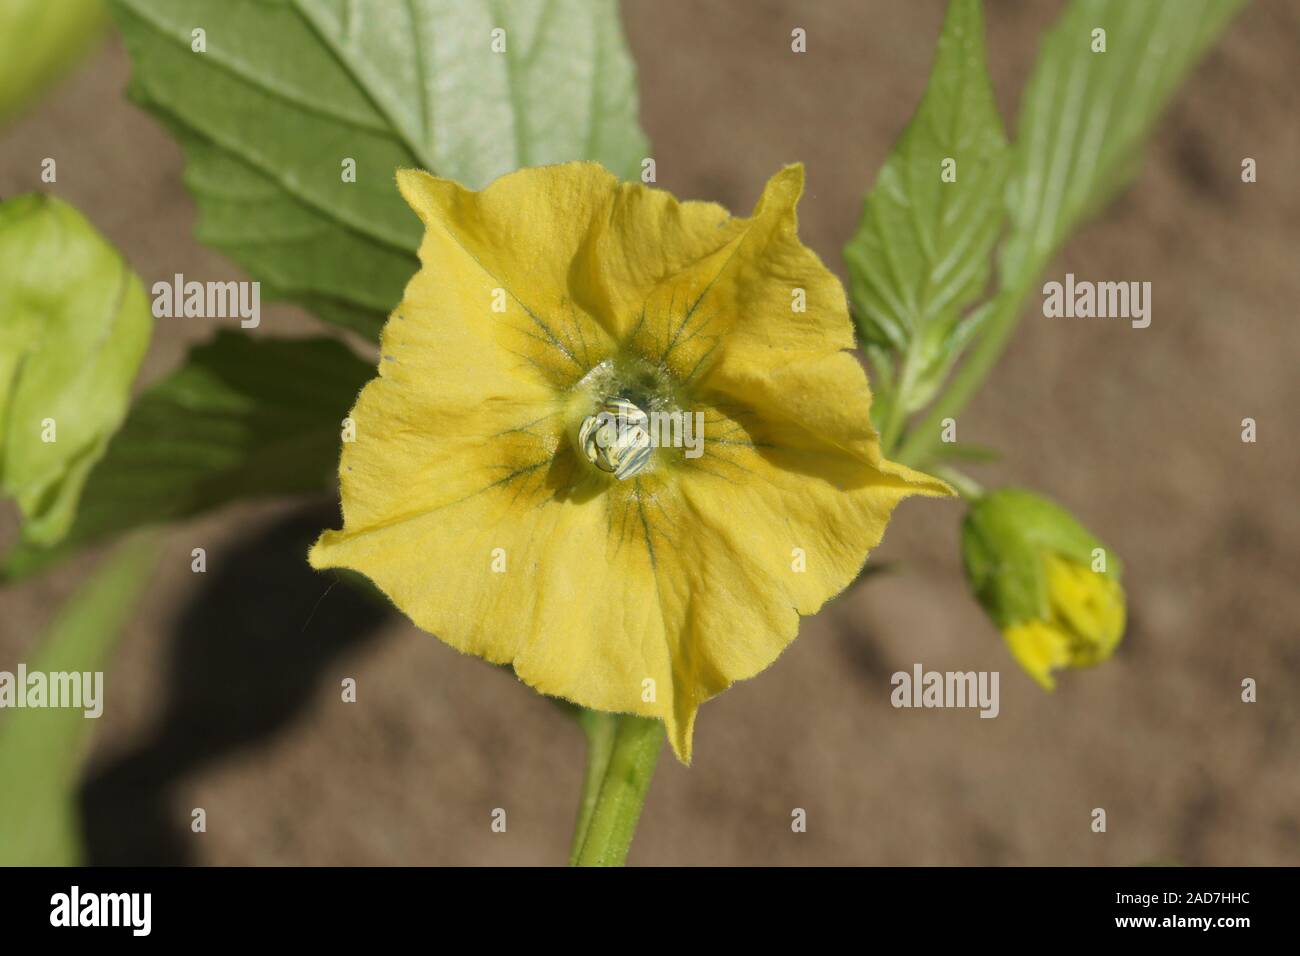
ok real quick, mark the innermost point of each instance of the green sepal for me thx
(1005, 536)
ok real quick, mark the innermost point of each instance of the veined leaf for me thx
(41, 748)
(288, 91)
(74, 325)
(1085, 116)
(1084, 120)
(243, 417)
(921, 253)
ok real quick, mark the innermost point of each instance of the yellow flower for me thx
(1085, 622)
(1048, 584)
(488, 498)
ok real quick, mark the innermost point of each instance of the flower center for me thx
(617, 438)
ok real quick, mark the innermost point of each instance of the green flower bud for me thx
(1050, 586)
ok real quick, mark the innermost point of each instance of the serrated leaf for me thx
(74, 325)
(244, 417)
(41, 748)
(921, 253)
(1085, 116)
(287, 90)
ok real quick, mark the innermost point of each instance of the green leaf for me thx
(74, 325)
(1084, 120)
(243, 417)
(41, 749)
(974, 454)
(921, 253)
(39, 41)
(287, 90)
(1085, 116)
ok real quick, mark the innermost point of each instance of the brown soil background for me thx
(1137, 431)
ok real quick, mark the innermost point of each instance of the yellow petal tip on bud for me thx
(1035, 569)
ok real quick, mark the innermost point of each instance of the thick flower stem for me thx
(600, 729)
(621, 758)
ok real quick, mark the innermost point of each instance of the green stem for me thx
(600, 729)
(966, 486)
(612, 800)
(919, 444)
(896, 416)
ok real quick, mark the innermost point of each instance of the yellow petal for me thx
(1089, 605)
(499, 261)
(465, 497)
(736, 300)
(1085, 623)
(1040, 648)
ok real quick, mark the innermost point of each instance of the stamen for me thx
(617, 438)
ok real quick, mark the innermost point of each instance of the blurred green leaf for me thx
(74, 325)
(243, 417)
(288, 90)
(921, 253)
(1085, 116)
(41, 749)
(959, 451)
(39, 41)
